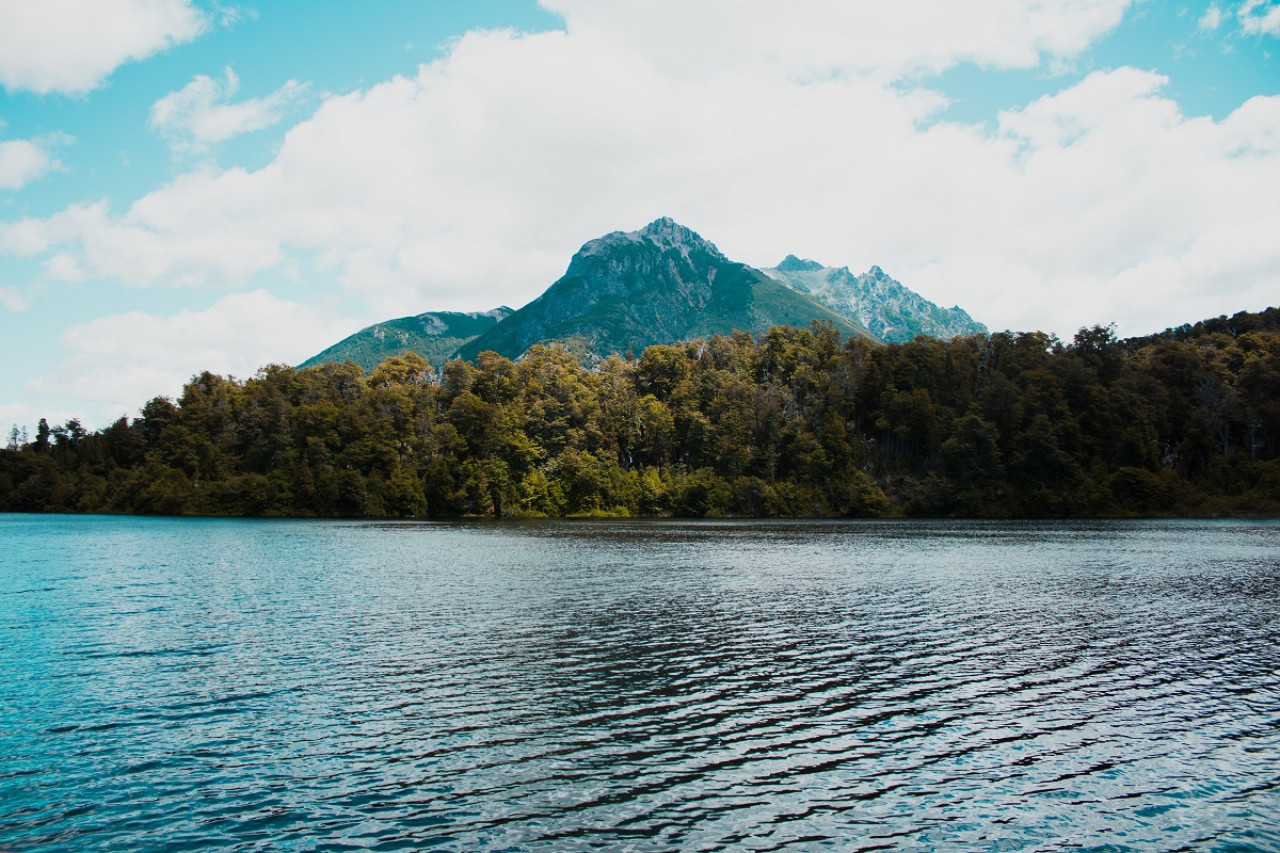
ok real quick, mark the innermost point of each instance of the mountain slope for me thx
(891, 311)
(662, 284)
(435, 336)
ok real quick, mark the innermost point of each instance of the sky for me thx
(190, 185)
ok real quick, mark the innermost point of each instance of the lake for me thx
(195, 684)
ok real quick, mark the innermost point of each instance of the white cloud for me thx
(12, 300)
(1260, 17)
(471, 183)
(71, 46)
(117, 363)
(813, 39)
(23, 161)
(1212, 18)
(201, 114)
(160, 240)
(1240, 258)
(25, 415)
(1121, 208)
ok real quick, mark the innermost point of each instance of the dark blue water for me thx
(256, 685)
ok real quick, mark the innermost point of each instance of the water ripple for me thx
(227, 685)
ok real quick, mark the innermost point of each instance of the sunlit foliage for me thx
(794, 423)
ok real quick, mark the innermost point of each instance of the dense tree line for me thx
(794, 423)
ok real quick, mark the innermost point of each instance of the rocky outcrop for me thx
(886, 307)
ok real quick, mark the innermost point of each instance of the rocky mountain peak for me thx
(793, 264)
(669, 234)
(664, 233)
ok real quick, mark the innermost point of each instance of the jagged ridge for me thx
(890, 310)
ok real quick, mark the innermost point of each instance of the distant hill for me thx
(629, 290)
(885, 307)
(435, 336)
(660, 285)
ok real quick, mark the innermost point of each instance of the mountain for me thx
(664, 283)
(435, 336)
(887, 308)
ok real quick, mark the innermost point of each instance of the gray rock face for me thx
(887, 308)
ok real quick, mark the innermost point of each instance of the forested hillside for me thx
(794, 423)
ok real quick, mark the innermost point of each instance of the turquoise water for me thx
(184, 684)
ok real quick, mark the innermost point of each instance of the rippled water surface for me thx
(253, 685)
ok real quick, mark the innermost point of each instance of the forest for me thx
(795, 422)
